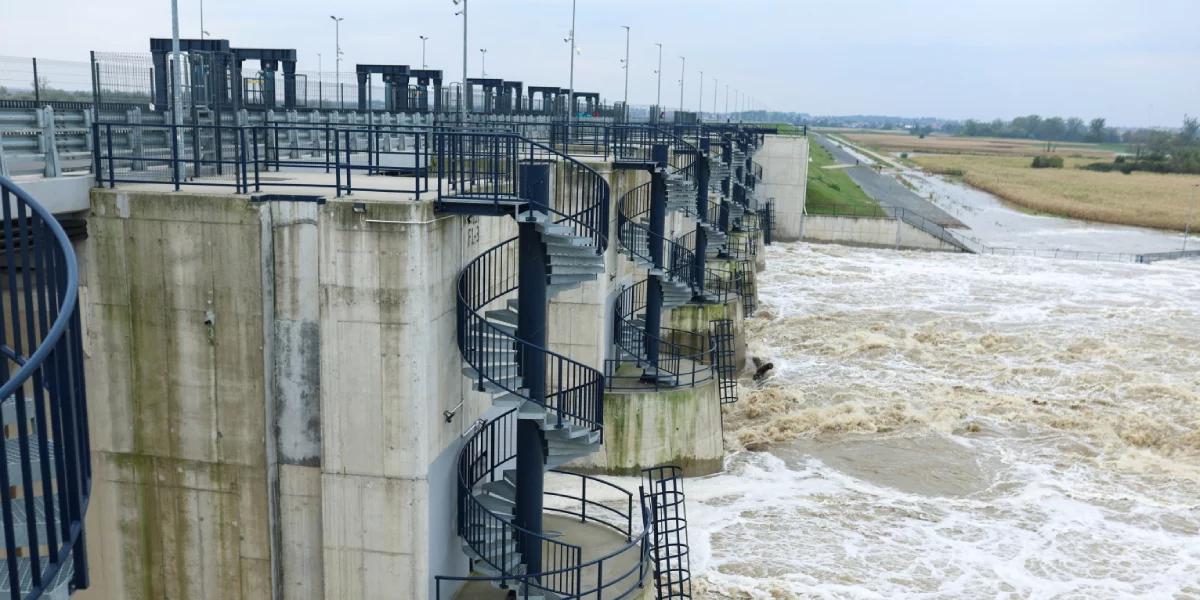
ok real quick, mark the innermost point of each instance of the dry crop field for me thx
(943, 144)
(1146, 199)
(1002, 167)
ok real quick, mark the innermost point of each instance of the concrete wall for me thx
(267, 385)
(174, 329)
(869, 231)
(668, 427)
(785, 177)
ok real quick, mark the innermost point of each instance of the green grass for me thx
(786, 128)
(831, 191)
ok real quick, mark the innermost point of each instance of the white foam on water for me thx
(954, 426)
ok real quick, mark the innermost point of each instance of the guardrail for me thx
(683, 356)
(491, 449)
(45, 487)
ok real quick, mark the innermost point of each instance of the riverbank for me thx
(1160, 201)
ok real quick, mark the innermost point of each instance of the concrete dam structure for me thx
(378, 353)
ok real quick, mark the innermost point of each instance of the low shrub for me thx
(1047, 162)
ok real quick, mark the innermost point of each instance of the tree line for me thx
(1034, 127)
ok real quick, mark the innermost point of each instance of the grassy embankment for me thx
(830, 190)
(1002, 167)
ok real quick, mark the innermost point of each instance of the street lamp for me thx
(700, 108)
(625, 105)
(423, 40)
(658, 96)
(483, 62)
(320, 83)
(462, 89)
(682, 70)
(337, 62)
(571, 79)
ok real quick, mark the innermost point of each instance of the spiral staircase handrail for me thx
(48, 380)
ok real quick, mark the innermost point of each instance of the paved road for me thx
(887, 190)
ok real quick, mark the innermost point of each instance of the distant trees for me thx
(1159, 151)
(1034, 127)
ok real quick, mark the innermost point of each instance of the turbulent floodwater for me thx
(957, 426)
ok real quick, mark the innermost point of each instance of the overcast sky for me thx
(1134, 62)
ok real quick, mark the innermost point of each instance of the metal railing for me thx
(253, 157)
(482, 168)
(663, 491)
(45, 487)
(683, 356)
(489, 451)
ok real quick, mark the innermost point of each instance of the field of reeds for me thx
(1146, 199)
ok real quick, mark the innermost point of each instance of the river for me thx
(958, 426)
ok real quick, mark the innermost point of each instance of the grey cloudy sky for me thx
(1134, 62)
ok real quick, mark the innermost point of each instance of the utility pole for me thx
(337, 62)
(682, 71)
(658, 96)
(625, 105)
(424, 39)
(202, 32)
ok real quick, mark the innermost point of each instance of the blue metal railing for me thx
(683, 356)
(45, 486)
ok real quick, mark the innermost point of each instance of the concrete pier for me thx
(785, 178)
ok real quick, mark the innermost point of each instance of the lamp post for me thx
(571, 77)
(462, 89)
(176, 110)
(716, 86)
(483, 62)
(337, 56)
(320, 83)
(423, 40)
(658, 96)
(727, 101)
(682, 71)
(625, 104)
(700, 107)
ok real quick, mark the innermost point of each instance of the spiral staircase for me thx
(560, 247)
(46, 482)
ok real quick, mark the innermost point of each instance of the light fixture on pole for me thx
(483, 62)
(716, 86)
(337, 56)
(571, 78)
(424, 39)
(176, 95)
(625, 104)
(658, 96)
(682, 71)
(320, 83)
(700, 107)
(462, 89)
